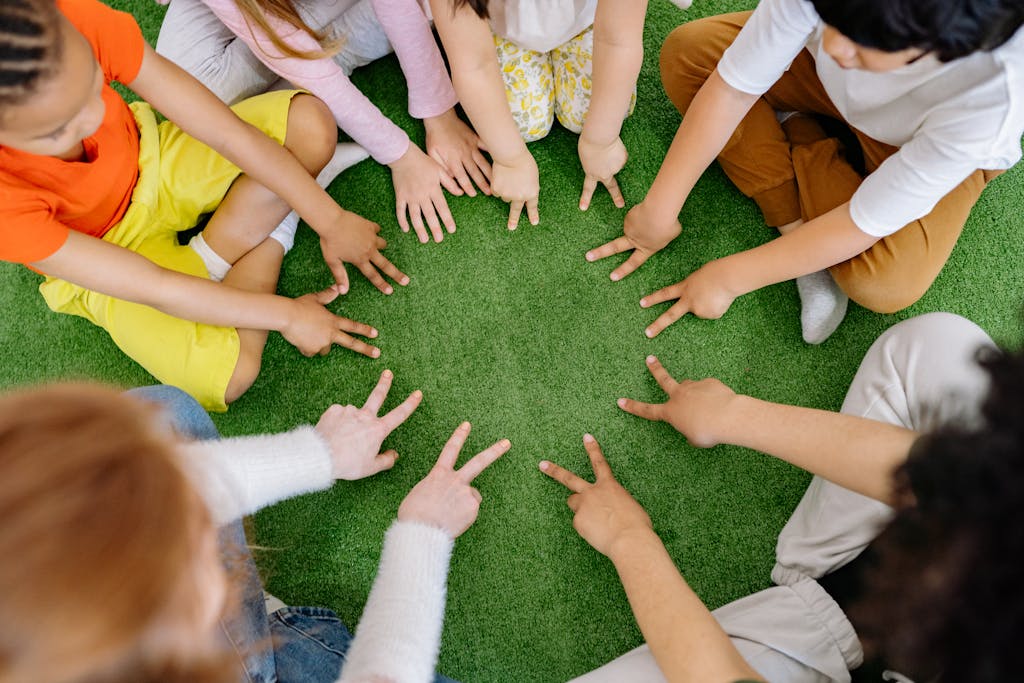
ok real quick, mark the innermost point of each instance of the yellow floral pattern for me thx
(540, 86)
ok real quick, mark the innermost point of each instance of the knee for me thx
(880, 292)
(312, 132)
(247, 369)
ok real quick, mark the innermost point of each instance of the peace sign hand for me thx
(444, 498)
(604, 511)
(699, 410)
(354, 435)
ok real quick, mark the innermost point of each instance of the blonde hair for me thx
(256, 13)
(99, 537)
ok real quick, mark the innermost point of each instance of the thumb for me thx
(386, 460)
(326, 296)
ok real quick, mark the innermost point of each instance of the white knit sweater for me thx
(399, 634)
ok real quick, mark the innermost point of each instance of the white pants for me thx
(920, 373)
(194, 38)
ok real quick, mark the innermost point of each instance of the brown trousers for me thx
(796, 170)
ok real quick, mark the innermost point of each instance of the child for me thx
(927, 451)
(118, 570)
(932, 91)
(239, 48)
(550, 56)
(94, 193)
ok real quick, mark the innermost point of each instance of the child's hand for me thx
(604, 512)
(418, 180)
(706, 294)
(312, 329)
(356, 240)
(456, 147)
(644, 233)
(518, 183)
(444, 498)
(355, 435)
(698, 410)
(600, 165)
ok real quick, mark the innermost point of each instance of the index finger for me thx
(602, 470)
(564, 476)
(616, 246)
(402, 411)
(482, 460)
(515, 210)
(589, 186)
(450, 452)
(615, 191)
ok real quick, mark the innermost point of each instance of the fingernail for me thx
(373, 333)
(505, 443)
(649, 333)
(643, 303)
(389, 290)
(587, 438)
(652, 359)
(464, 425)
(615, 277)
(590, 257)
(386, 373)
(544, 465)
(404, 281)
(511, 227)
(621, 402)
(376, 353)
(417, 393)
(583, 207)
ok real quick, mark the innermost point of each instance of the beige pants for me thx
(802, 172)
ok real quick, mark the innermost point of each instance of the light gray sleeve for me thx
(766, 46)
(240, 475)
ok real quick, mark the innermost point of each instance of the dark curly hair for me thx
(478, 6)
(946, 599)
(30, 47)
(948, 28)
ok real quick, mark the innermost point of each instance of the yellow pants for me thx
(180, 179)
(540, 86)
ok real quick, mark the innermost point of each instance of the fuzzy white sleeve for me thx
(399, 635)
(240, 475)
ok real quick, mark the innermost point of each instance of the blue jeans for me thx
(308, 643)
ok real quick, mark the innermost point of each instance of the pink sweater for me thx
(407, 28)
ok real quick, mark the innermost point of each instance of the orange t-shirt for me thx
(43, 197)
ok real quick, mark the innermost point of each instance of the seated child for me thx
(545, 67)
(95, 193)
(930, 94)
(240, 48)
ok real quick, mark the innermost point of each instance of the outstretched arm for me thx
(687, 642)
(478, 82)
(853, 452)
(618, 56)
(344, 236)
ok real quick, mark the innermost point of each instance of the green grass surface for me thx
(517, 333)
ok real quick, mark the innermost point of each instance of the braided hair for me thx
(30, 47)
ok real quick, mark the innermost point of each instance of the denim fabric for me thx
(309, 643)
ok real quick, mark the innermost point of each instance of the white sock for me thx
(823, 306)
(346, 154)
(216, 266)
(284, 233)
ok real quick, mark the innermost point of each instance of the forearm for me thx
(617, 59)
(712, 118)
(482, 94)
(687, 642)
(853, 452)
(815, 245)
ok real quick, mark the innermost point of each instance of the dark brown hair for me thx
(478, 6)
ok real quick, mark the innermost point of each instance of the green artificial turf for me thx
(518, 334)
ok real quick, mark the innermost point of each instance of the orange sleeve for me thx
(29, 232)
(115, 37)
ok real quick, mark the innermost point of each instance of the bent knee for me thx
(312, 131)
(247, 369)
(881, 292)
